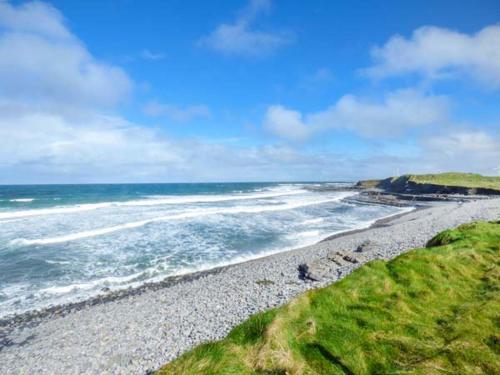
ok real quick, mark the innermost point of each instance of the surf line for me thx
(145, 202)
(189, 214)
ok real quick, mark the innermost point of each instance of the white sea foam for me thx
(187, 214)
(57, 261)
(111, 280)
(309, 233)
(153, 201)
(83, 289)
(22, 200)
(159, 200)
(51, 211)
(302, 239)
(8, 221)
(313, 221)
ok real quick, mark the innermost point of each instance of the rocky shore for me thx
(136, 331)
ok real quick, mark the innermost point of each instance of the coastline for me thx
(36, 316)
(149, 326)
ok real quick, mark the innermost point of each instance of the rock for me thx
(366, 246)
(322, 268)
(343, 258)
(311, 271)
(350, 258)
(337, 257)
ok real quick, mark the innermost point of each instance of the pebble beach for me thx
(139, 331)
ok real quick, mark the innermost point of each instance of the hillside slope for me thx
(441, 183)
(430, 311)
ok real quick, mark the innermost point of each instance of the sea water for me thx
(65, 243)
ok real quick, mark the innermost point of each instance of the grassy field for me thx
(434, 310)
(467, 180)
(470, 180)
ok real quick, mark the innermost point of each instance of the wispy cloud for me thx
(242, 38)
(316, 80)
(148, 55)
(436, 52)
(176, 113)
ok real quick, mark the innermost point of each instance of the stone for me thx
(311, 271)
(337, 257)
(366, 246)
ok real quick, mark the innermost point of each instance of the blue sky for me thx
(156, 91)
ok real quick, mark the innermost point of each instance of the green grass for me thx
(466, 180)
(469, 180)
(434, 310)
(368, 184)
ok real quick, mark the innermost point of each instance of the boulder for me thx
(311, 271)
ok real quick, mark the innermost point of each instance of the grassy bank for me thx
(449, 179)
(430, 311)
(469, 180)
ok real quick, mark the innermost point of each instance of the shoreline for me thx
(36, 316)
(141, 332)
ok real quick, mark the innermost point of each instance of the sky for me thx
(247, 90)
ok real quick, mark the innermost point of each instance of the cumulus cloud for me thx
(463, 141)
(33, 17)
(95, 141)
(398, 112)
(468, 149)
(55, 121)
(51, 147)
(176, 113)
(436, 52)
(53, 128)
(40, 60)
(241, 38)
(48, 147)
(286, 123)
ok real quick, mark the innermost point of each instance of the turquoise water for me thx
(61, 243)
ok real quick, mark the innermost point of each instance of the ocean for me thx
(66, 243)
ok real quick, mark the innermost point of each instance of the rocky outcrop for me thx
(320, 269)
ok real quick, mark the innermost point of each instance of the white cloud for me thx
(33, 17)
(455, 149)
(286, 123)
(53, 127)
(41, 61)
(176, 113)
(48, 147)
(52, 141)
(436, 52)
(400, 111)
(240, 38)
(464, 141)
